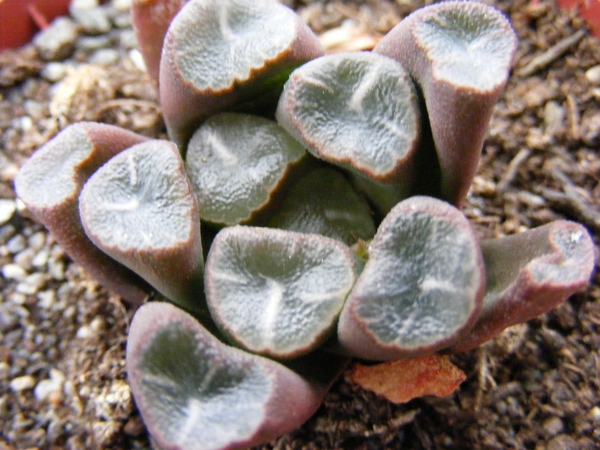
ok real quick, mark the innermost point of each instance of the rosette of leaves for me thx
(379, 128)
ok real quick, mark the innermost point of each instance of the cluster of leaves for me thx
(331, 232)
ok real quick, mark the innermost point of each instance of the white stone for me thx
(16, 244)
(54, 71)
(46, 299)
(50, 386)
(41, 258)
(122, 5)
(137, 59)
(13, 272)
(37, 240)
(593, 75)
(84, 4)
(105, 57)
(85, 332)
(7, 210)
(22, 383)
(4, 370)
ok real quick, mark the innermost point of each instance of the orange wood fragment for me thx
(402, 380)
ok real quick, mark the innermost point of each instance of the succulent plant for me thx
(280, 249)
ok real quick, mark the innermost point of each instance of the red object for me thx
(589, 10)
(21, 19)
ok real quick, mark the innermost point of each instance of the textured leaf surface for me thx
(359, 110)
(402, 380)
(277, 292)
(421, 287)
(220, 43)
(235, 163)
(528, 274)
(468, 46)
(195, 393)
(220, 53)
(460, 53)
(140, 209)
(50, 183)
(324, 202)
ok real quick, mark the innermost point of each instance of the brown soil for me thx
(535, 386)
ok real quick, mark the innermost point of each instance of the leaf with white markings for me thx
(357, 110)
(236, 162)
(218, 54)
(196, 393)
(421, 288)
(277, 292)
(341, 214)
(528, 274)
(140, 209)
(460, 54)
(50, 183)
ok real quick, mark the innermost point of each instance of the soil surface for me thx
(537, 386)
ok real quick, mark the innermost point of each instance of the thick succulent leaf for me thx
(421, 287)
(277, 292)
(357, 110)
(196, 393)
(235, 163)
(50, 183)
(529, 274)
(151, 19)
(382, 196)
(460, 54)
(324, 202)
(218, 53)
(140, 209)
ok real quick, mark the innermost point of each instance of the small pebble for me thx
(85, 332)
(14, 272)
(553, 426)
(23, 123)
(31, 284)
(137, 59)
(41, 258)
(594, 414)
(105, 57)
(46, 299)
(54, 71)
(7, 210)
(25, 258)
(4, 370)
(16, 244)
(45, 388)
(56, 268)
(593, 75)
(92, 20)
(122, 20)
(122, 5)
(37, 240)
(91, 43)
(22, 383)
(6, 232)
(127, 39)
(57, 41)
(84, 4)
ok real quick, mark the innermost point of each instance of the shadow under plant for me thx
(393, 139)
